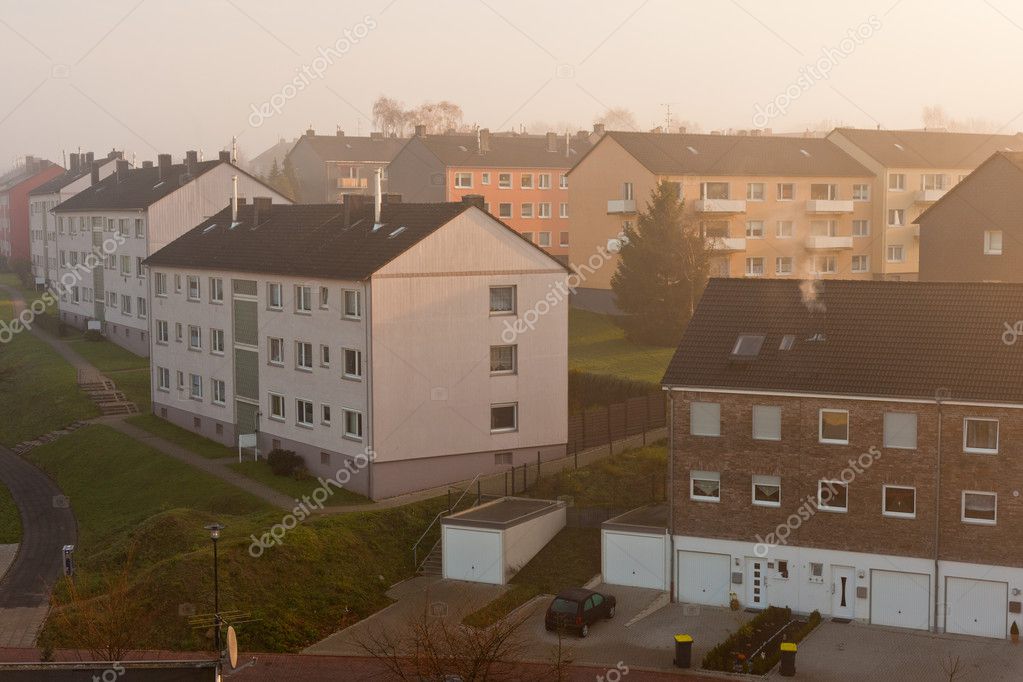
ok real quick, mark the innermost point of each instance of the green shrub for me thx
(93, 335)
(591, 390)
(285, 462)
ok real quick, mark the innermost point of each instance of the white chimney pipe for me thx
(378, 197)
(234, 199)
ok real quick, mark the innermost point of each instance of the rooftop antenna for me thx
(667, 117)
(133, 159)
(234, 149)
(378, 198)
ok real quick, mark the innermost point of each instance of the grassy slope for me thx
(292, 487)
(200, 445)
(40, 383)
(132, 501)
(628, 480)
(128, 371)
(596, 344)
(10, 519)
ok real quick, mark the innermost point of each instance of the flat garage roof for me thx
(650, 517)
(502, 513)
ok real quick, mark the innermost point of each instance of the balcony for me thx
(817, 243)
(352, 183)
(829, 206)
(621, 206)
(726, 244)
(929, 196)
(721, 206)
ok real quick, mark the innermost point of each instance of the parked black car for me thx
(577, 609)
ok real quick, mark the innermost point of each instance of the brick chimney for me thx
(191, 161)
(353, 205)
(147, 164)
(484, 134)
(598, 128)
(94, 173)
(121, 169)
(225, 156)
(164, 162)
(89, 158)
(552, 142)
(74, 163)
(260, 209)
(420, 130)
(473, 200)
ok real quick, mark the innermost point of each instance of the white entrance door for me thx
(756, 583)
(900, 599)
(843, 592)
(976, 607)
(703, 578)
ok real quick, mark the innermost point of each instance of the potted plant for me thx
(733, 601)
(1014, 633)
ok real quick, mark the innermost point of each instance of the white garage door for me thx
(976, 607)
(704, 578)
(472, 555)
(634, 559)
(900, 599)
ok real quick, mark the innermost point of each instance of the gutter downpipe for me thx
(939, 396)
(671, 494)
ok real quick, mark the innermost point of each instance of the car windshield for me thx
(564, 606)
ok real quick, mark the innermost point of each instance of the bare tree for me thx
(950, 664)
(935, 116)
(618, 118)
(389, 116)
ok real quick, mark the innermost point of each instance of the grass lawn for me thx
(107, 356)
(296, 488)
(140, 509)
(596, 344)
(42, 388)
(571, 559)
(134, 383)
(628, 480)
(10, 518)
(200, 445)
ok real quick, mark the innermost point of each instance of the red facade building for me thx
(14, 188)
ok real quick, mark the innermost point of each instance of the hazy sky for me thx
(161, 76)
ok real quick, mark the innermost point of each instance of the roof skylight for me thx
(396, 232)
(748, 345)
(787, 342)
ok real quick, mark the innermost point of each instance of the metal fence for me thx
(606, 424)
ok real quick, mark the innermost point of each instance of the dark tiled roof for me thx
(307, 240)
(507, 151)
(345, 148)
(884, 339)
(929, 149)
(708, 155)
(64, 179)
(141, 188)
(20, 174)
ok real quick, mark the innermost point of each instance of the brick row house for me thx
(523, 178)
(121, 219)
(852, 448)
(344, 331)
(15, 186)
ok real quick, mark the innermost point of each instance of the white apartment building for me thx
(106, 231)
(337, 332)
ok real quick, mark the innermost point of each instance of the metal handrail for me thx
(415, 547)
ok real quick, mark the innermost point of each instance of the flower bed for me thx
(755, 647)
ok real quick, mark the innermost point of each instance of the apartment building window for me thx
(325, 415)
(463, 180)
(60, 226)
(275, 348)
(786, 191)
(526, 181)
(783, 230)
(824, 228)
(896, 182)
(216, 290)
(938, 181)
(526, 210)
(126, 304)
(219, 391)
(140, 228)
(832, 496)
(163, 379)
(352, 423)
(783, 265)
(766, 422)
(353, 363)
(181, 380)
(563, 209)
(74, 259)
(755, 229)
(898, 501)
(177, 284)
(277, 410)
(353, 304)
(304, 412)
(484, 178)
(993, 242)
(504, 417)
(111, 299)
(194, 337)
(303, 299)
(896, 217)
(714, 190)
(195, 386)
(303, 355)
(980, 435)
(63, 259)
(502, 300)
(74, 295)
(178, 335)
(162, 332)
(900, 430)
(861, 263)
(705, 486)
(825, 265)
(544, 239)
(504, 181)
(755, 191)
(503, 359)
(275, 296)
(861, 192)
(627, 191)
(705, 419)
(142, 307)
(543, 181)
(97, 224)
(896, 253)
(861, 228)
(834, 427)
(324, 355)
(767, 491)
(754, 267)
(140, 269)
(217, 344)
(324, 298)
(980, 507)
(563, 239)
(823, 192)
(543, 210)
(112, 264)
(122, 227)
(504, 210)
(563, 181)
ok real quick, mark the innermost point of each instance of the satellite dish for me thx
(232, 647)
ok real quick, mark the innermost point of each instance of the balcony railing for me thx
(621, 206)
(929, 196)
(721, 206)
(829, 206)
(726, 244)
(824, 243)
(352, 183)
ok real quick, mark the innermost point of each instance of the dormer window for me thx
(748, 346)
(787, 342)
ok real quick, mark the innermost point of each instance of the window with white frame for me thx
(463, 180)
(543, 181)
(195, 386)
(861, 192)
(324, 355)
(352, 423)
(898, 501)
(303, 299)
(896, 217)
(217, 345)
(980, 435)
(504, 210)
(111, 299)
(277, 407)
(502, 300)
(767, 491)
(304, 412)
(821, 191)
(767, 422)
(181, 380)
(755, 191)
(178, 334)
(754, 266)
(705, 419)
(563, 209)
(896, 253)
(834, 427)
(896, 182)
(160, 283)
(194, 337)
(177, 283)
(194, 288)
(755, 229)
(219, 391)
(824, 228)
(938, 181)
(162, 332)
(628, 191)
(303, 355)
(504, 417)
(980, 507)
(705, 486)
(324, 298)
(126, 266)
(275, 296)
(275, 349)
(543, 210)
(502, 359)
(832, 496)
(861, 263)
(825, 265)
(993, 242)
(484, 178)
(786, 191)
(783, 265)
(526, 210)
(783, 229)
(352, 304)
(216, 290)
(526, 181)
(563, 238)
(563, 181)
(140, 228)
(353, 363)
(142, 307)
(861, 228)
(140, 269)
(504, 181)
(126, 304)
(900, 430)
(163, 378)
(325, 415)
(543, 239)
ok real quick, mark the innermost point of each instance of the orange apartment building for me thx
(784, 207)
(523, 179)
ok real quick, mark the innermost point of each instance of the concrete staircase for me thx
(433, 563)
(104, 393)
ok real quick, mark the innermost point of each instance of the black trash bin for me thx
(788, 659)
(683, 651)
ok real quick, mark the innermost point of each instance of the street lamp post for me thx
(214, 530)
